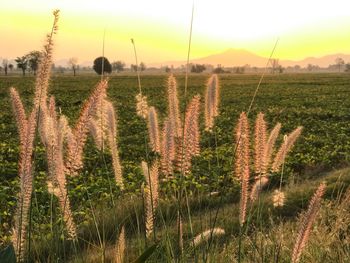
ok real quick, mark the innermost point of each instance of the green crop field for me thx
(318, 102)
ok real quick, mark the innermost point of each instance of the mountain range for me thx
(238, 57)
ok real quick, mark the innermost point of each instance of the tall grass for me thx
(170, 219)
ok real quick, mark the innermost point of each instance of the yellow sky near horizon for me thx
(161, 28)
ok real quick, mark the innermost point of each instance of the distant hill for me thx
(324, 61)
(240, 57)
(237, 57)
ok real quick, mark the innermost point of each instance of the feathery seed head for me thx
(153, 129)
(168, 149)
(189, 146)
(206, 235)
(257, 187)
(242, 162)
(260, 144)
(211, 102)
(278, 198)
(173, 106)
(306, 223)
(141, 106)
(120, 247)
(270, 145)
(285, 148)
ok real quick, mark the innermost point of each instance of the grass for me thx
(202, 210)
(320, 103)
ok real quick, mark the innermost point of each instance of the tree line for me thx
(30, 61)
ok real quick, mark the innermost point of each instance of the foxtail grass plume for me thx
(25, 172)
(27, 127)
(44, 68)
(306, 223)
(52, 132)
(180, 232)
(20, 115)
(257, 187)
(151, 194)
(207, 234)
(173, 106)
(153, 129)
(168, 149)
(120, 247)
(211, 102)
(96, 132)
(278, 198)
(141, 106)
(270, 145)
(189, 146)
(77, 137)
(260, 143)
(103, 127)
(111, 139)
(285, 148)
(242, 162)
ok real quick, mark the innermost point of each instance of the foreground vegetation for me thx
(94, 208)
(318, 102)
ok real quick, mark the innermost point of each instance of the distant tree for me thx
(5, 65)
(60, 69)
(142, 66)
(309, 67)
(297, 67)
(240, 70)
(118, 66)
(33, 60)
(73, 63)
(339, 62)
(11, 67)
(133, 67)
(274, 65)
(167, 69)
(102, 64)
(22, 63)
(280, 69)
(197, 68)
(218, 69)
(347, 67)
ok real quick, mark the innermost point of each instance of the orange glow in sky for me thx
(161, 28)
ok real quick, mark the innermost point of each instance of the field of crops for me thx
(318, 102)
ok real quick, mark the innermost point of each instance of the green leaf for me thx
(146, 254)
(8, 255)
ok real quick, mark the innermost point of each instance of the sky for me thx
(161, 28)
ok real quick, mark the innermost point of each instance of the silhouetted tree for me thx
(5, 65)
(73, 63)
(133, 67)
(33, 58)
(11, 67)
(167, 69)
(22, 63)
(218, 69)
(347, 67)
(197, 68)
(240, 70)
(339, 62)
(274, 65)
(118, 66)
(102, 64)
(142, 66)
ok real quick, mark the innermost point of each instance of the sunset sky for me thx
(161, 28)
